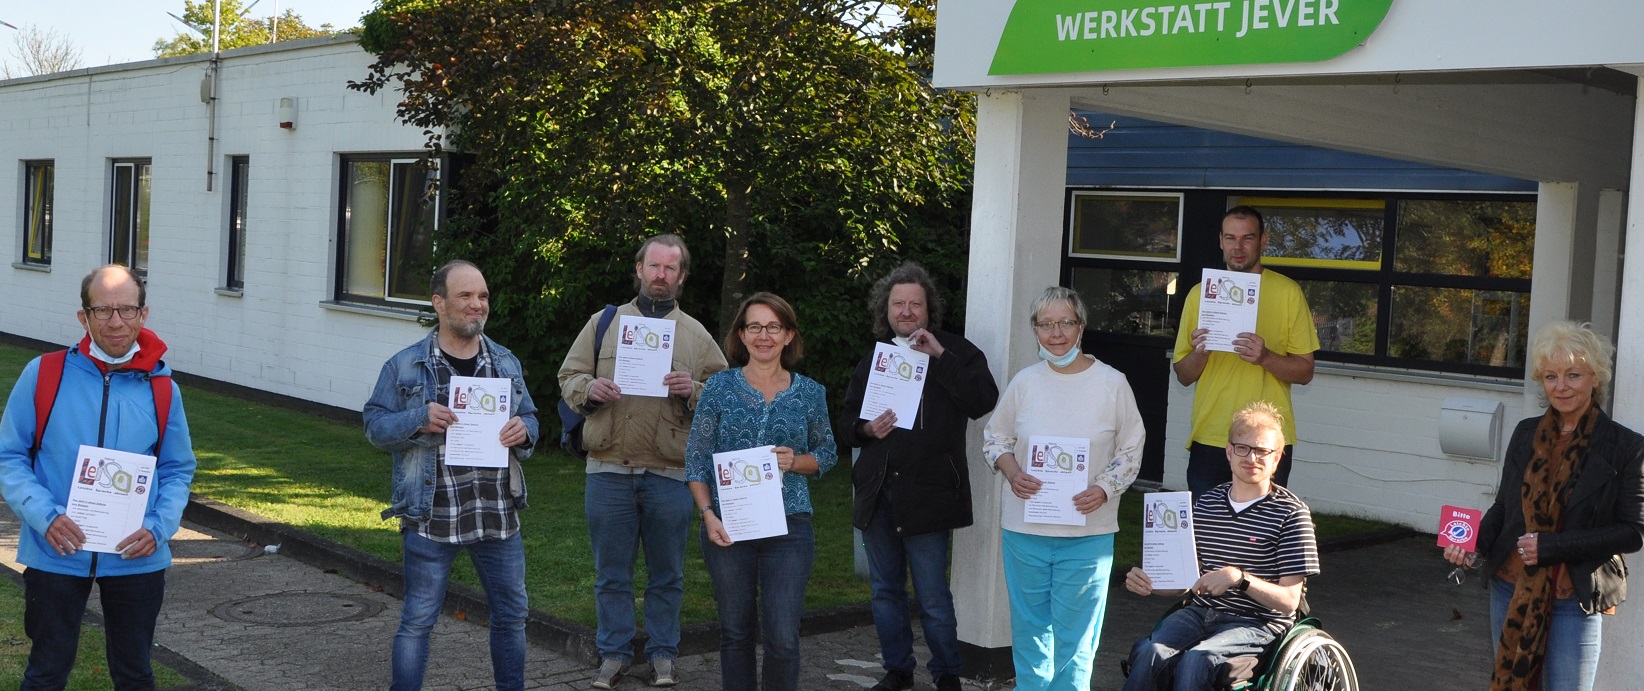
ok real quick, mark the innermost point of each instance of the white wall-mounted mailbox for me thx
(1470, 427)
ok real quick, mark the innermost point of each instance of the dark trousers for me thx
(55, 606)
(1207, 467)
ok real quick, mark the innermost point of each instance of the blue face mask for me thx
(1063, 361)
(100, 354)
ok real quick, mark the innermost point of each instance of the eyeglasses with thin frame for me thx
(1246, 450)
(773, 328)
(1065, 325)
(103, 313)
(1459, 574)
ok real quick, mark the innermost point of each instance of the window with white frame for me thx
(387, 216)
(129, 213)
(38, 179)
(239, 175)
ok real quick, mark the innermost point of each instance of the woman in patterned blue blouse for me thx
(760, 583)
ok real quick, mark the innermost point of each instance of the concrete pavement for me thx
(255, 620)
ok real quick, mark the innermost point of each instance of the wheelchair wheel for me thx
(1313, 661)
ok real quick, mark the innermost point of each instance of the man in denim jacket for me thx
(445, 509)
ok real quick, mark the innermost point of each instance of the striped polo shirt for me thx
(1269, 539)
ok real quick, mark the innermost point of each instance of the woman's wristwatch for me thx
(702, 511)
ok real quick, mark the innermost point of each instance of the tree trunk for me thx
(734, 287)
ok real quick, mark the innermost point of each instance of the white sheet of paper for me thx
(1062, 464)
(644, 355)
(109, 495)
(1227, 306)
(1169, 556)
(895, 382)
(750, 493)
(482, 405)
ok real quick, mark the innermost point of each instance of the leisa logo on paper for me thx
(898, 366)
(108, 474)
(1053, 455)
(743, 473)
(477, 398)
(641, 336)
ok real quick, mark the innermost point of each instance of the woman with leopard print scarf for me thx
(1571, 502)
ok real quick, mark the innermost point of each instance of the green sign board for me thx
(1047, 36)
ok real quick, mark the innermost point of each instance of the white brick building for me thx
(74, 149)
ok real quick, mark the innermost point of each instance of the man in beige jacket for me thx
(636, 492)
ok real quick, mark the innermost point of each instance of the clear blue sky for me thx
(114, 31)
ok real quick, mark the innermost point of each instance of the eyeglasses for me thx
(104, 313)
(1459, 574)
(1063, 325)
(1246, 450)
(773, 328)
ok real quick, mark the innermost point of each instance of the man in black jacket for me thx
(912, 485)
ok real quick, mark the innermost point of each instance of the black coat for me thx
(1603, 513)
(924, 467)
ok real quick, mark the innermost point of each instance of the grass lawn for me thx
(90, 673)
(322, 476)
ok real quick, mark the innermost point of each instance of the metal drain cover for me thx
(296, 609)
(212, 550)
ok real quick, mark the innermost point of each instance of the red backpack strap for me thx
(48, 379)
(162, 406)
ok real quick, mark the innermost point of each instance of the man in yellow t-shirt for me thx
(1263, 365)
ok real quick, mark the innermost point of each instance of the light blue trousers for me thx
(1058, 596)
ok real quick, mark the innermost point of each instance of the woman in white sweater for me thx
(1067, 439)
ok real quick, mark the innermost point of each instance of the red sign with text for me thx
(1459, 527)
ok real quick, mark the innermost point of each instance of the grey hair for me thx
(1057, 294)
(85, 284)
(879, 297)
(437, 284)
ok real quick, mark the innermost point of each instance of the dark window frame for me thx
(340, 291)
(238, 195)
(36, 242)
(1200, 248)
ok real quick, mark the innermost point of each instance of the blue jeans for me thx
(624, 511)
(1572, 641)
(890, 558)
(1207, 467)
(1058, 596)
(1189, 646)
(500, 565)
(760, 589)
(54, 606)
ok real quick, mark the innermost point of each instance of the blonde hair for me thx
(1053, 295)
(1566, 344)
(1256, 416)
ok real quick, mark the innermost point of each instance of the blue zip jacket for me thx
(114, 411)
(398, 410)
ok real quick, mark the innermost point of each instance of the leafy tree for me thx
(40, 51)
(238, 30)
(795, 143)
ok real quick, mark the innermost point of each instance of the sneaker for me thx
(610, 672)
(662, 672)
(948, 682)
(895, 680)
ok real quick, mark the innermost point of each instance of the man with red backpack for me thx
(111, 391)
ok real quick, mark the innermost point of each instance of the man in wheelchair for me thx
(1256, 549)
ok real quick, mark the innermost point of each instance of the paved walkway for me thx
(255, 620)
